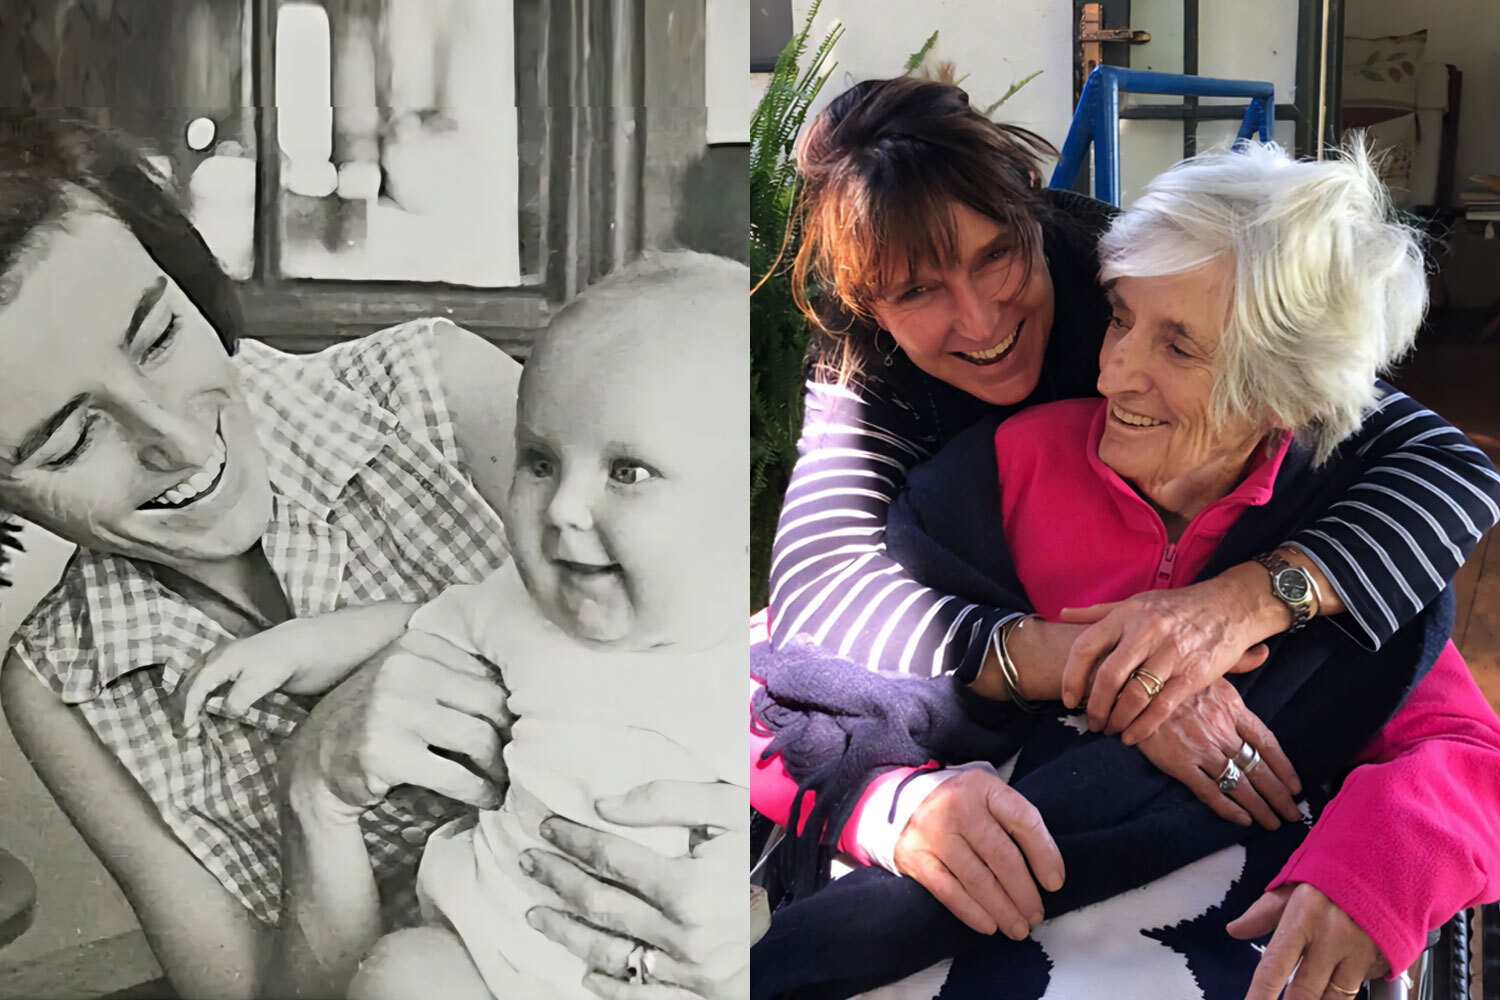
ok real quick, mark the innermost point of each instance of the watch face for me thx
(1292, 585)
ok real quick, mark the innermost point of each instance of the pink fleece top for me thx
(1425, 805)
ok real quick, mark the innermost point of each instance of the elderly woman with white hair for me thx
(1254, 301)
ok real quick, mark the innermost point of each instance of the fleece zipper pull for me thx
(1164, 569)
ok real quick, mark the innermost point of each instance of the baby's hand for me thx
(274, 660)
(301, 656)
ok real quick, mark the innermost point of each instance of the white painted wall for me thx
(726, 27)
(1465, 33)
(996, 42)
(1236, 41)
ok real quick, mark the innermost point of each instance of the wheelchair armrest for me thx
(1441, 973)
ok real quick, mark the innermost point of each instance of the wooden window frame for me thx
(579, 83)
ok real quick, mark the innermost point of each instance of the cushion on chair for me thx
(1382, 72)
(1392, 139)
(1409, 142)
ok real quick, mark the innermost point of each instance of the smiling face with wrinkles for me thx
(1157, 370)
(122, 426)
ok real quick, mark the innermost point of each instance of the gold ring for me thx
(1149, 681)
(1341, 991)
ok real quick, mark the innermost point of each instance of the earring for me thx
(890, 356)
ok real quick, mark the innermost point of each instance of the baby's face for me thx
(622, 514)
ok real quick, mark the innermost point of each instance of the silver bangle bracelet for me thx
(1008, 672)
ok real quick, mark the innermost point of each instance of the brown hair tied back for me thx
(881, 168)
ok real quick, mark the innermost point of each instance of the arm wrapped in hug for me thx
(1118, 822)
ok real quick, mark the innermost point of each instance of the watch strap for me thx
(1301, 611)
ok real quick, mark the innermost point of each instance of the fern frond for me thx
(989, 111)
(916, 59)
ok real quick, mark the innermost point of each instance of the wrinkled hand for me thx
(379, 728)
(1194, 743)
(1187, 638)
(970, 842)
(1313, 931)
(690, 911)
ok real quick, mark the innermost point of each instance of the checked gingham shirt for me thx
(369, 504)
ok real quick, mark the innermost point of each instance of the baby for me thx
(616, 626)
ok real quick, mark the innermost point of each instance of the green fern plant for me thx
(944, 71)
(778, 331)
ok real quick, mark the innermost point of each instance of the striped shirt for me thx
(1388, 547)
(369, 503)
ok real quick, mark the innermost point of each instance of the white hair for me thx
(1328, 290)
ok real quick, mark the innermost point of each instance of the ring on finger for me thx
(1247, 759)
(1230, 779)
(1149, 681)
(1341, 991)
(638, 965)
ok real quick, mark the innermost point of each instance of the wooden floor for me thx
(1462, 382)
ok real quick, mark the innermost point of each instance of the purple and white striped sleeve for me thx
(831, 579)
(1391, 545)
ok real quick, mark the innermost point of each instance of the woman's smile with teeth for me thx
(1134, 419)
(196, 486)
(995, 353)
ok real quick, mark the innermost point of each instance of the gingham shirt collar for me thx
(316, 439)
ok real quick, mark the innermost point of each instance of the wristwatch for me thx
(1291, 586)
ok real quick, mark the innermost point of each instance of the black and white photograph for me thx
(374, 464)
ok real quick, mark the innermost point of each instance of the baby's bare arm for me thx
(352, 635)
(300, 656)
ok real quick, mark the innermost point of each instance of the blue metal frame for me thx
(1097, 119)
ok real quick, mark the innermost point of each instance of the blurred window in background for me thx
(395, 128)
(396, 122)
(727, 97)
(355, 163)
(770, 30)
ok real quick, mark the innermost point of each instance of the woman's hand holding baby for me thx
(678, 916)
(379, 728)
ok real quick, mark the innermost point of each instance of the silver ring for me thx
(1247, 758)
(636, 972)
(1230, 779)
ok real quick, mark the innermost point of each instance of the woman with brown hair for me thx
(945, 283)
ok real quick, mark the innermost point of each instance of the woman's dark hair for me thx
(44, 155)
(10, 541)
(880, 167)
